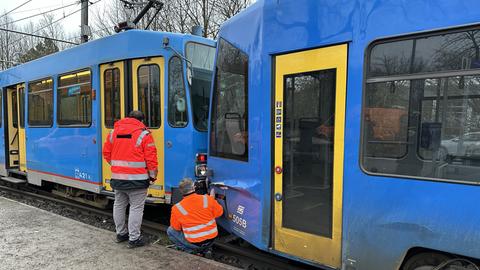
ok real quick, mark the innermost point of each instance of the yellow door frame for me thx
(106, 172)
(158, 189)
(315, 248)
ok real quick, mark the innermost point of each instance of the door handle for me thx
(169, 144)
(278, 196)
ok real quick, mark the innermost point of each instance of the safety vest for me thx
(196, 214)
(131, 151)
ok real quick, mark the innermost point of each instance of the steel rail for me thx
(252, 254)
(149, 226)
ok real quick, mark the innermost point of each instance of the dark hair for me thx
(186, 186)
(137, 115)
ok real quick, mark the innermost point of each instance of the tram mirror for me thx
(181, 105)
(430, 136)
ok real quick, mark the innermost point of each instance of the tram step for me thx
(18, 172)
(150, 200)
(14, 180)
(108, 193)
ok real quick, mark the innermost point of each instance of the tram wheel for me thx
(424, 261)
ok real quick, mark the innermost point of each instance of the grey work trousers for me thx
(136, 198)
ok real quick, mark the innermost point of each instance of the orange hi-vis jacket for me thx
(131, 151)
(195, 216)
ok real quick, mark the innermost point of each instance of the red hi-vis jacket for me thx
(195, 216)
(131, 151)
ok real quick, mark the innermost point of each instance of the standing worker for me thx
(131, 152)
(192, 223)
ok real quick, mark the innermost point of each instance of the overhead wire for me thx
(65, 16)
(24, 3)
(33, 35)
(39, 14)
(96, 31)
(37, 9)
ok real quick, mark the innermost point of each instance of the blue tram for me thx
(58, 110)
(346, 134)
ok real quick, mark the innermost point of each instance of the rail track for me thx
(226, 249)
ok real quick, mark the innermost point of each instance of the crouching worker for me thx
(192, 223)
(131, 152)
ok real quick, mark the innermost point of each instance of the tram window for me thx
(75, 99)
(386, 113)
(112, 96)
(424, 123)
(21, 92)
(149, 94)
(177, 100)
(202, 59)
(429, 53)
(14, 110)
(229, 133)
(40, 103)
(309, 124)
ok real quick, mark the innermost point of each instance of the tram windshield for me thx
(201, 58)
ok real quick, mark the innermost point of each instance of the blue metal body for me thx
(69, 151)
(383, 217)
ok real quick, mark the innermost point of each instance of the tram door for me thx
(16, 127)
(309, 112)
(148, 96)
(113, 105)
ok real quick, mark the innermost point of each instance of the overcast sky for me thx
(71, 24)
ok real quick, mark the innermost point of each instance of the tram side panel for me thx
(186, 114)
(382, 215)
(67, 152)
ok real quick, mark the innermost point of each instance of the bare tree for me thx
(7, 47)
(176, 16)
(17, 48)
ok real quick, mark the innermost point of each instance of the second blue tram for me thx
(58, 110)
(346, 134)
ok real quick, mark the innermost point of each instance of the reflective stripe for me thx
(131, 164)
(205, 201)
(200, 234)
(198, 227)
(126, 176)
(152, 173)
(140, 138)
(181, 209)
(110, 135)
(150, 144)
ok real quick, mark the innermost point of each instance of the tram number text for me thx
(82, 175)
(240, 221)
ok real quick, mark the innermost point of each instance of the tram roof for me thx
(125, 45)
(278, 26)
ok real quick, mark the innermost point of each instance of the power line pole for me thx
(84, 25)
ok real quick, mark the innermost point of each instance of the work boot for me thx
(121, 238)
(136, 243)
(208, 254)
